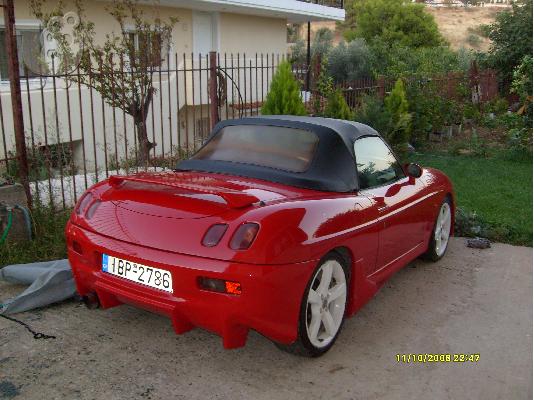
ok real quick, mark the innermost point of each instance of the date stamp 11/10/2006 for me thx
(421, 358)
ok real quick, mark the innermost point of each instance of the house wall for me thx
(251, 34)
(104, 23)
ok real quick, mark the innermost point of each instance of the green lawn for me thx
(498, 190)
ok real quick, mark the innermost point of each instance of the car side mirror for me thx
(414, 170)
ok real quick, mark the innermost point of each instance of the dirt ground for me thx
(473, 301)
(459, 25)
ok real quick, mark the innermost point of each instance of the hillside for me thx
(459, 25)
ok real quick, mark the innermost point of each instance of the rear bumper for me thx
(269, 303)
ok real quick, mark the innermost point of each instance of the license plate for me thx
(138, 273)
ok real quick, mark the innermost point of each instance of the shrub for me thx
(400, 124)
(396, 22)
(298, 52)
(348, 62)
(522, 85)
(372, 112)
(284, 94)
(323, 88)
(391, 118)
(511, 36)
(424, 62)
(337, 107)
(322, 42)
(474, 40)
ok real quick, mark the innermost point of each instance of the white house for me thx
(248, 35)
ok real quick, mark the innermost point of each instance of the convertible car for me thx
(284, 225)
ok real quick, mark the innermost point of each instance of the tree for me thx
(511, 36)
(396, 105)
(322, 42)
(396, 22)
(121, 67)
(337, 107)
(349, 62)
(284, 94)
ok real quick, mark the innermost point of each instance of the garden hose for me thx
(8, 227)
(27, 219)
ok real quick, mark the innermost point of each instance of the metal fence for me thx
(75, 138)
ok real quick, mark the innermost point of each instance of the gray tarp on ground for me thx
(50, 282)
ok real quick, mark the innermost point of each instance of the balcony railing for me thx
(327, 3)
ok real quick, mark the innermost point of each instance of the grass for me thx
(498, 190)
(48, 242)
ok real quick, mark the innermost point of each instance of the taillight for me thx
(83, 203)
(214, 235)
(244, 236)
(92, 209)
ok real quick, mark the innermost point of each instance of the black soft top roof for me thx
(333, 168)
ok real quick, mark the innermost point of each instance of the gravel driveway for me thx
(473, 301)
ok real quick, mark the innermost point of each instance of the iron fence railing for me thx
(75, 138)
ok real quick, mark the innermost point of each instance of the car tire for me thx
(323, 307)
(439, 239)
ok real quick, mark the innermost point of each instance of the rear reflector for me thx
(220, 285)
(214, 235)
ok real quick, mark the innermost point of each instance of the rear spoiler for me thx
(233, 198)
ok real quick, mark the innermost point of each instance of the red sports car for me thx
(285, 225)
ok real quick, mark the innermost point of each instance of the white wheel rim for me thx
(326, 303)
(443, 229)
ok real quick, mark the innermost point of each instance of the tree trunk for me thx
(140, 113)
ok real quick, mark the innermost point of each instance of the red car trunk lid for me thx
(185, 195)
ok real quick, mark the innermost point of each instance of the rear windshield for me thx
(288, 149)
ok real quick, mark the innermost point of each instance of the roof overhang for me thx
(290, 10)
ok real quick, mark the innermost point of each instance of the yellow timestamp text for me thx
(412, 358)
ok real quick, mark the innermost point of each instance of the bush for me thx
(511, 36)
(403, 61)
(321, 46)
(391, 118)
(371, 112)
(322, 42)
(337, 107)
(396, 106)
(396, 22)
(298, 52)
(349, 62)
(284, 94)
(522, 85)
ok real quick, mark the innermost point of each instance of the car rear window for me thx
(288, 149)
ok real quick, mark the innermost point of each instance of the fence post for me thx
(381, 83)
(16, 98)
(214, 98)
